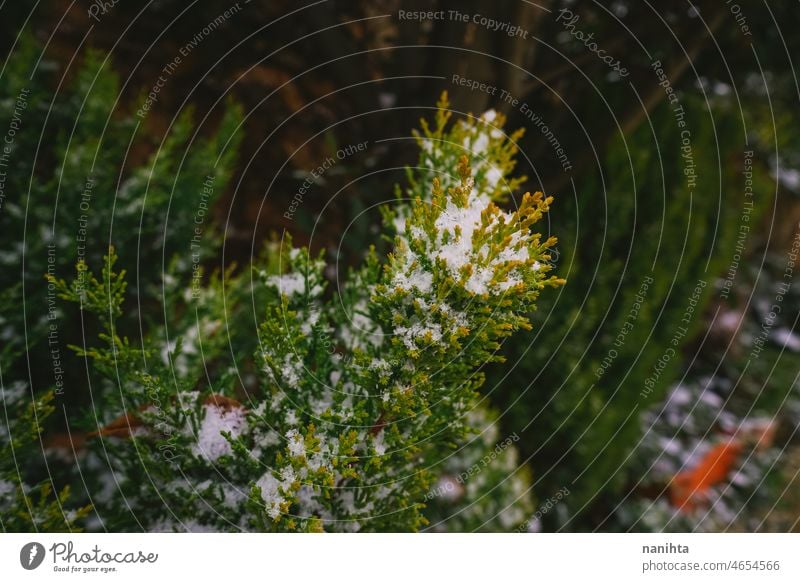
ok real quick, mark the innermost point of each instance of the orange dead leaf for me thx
(121, 427)
(65, 444)
(223, 402)
(692, 485)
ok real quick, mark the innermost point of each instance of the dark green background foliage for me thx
(75, 185)
(78, 184)
(635, 223)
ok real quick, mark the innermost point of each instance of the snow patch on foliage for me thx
(271, 494)
(458, 226)
(412, 277)
(288, 284)
(493, 177)
(211, 444)
(361, 332)
(296, 443)
(380, 444)
(6, 488)
(419, 331)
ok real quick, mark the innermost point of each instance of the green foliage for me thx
(70, 185)
(27, 502)
(70, 188)
(350, 407)
(482, 487)
(642, 267)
